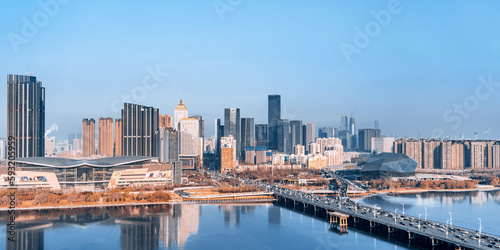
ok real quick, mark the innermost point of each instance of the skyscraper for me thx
(88, 137)
(247, 134)
(118, 137)
(325, 132)
(26, 115)
(167, 145)
(165, 121)
(365, 138)
(105, 136)
(308, 132)
(232, 127)
(180, 113)
(189, 137)
(273, 117)
(139, 126)
(261, 135)
(352, 125)
(344, 123)
(284, 137)
(297, 133)
(201, 123)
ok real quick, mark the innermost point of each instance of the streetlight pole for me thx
(480, 227)
(395, 215)
(451, 220)
(425, 213)
(403, 208)
(419, 221)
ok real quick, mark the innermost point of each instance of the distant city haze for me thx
(428, 70)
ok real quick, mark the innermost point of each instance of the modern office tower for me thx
(325, 132)
(189, 130)
(219, 133)
(352, 125)
(346, 139)
(71, 137)
(247, 134)
(228, 153)
(297, 132)
(299, 149)
(410, 147)
(431, 154)
(273, 117)
(88, 139)
(3, 148)
(376, 125)
(308, 133)
(232, 127)
(365, 138)
(344, 123)
(167, 145)
(50, 145)
(261, 135)
(139, 126)
(284, 136)
(165, 121)
(26, 115)
(77, 144)
(105, 136)
(180, 113)
(118, 137)
(201, 123)
(382, 145)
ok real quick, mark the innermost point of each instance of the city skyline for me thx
(408, 77)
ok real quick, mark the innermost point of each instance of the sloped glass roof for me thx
(71, 163)
(390, 162)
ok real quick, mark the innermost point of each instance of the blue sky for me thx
(425, 60)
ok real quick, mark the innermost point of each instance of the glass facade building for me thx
(232, 127)
(261, 135)
(139, 130)
(26, 115)
(273, 117)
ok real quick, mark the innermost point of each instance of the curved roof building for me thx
(387, 165)
(109, 162)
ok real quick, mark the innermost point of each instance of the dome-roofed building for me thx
(387, 165)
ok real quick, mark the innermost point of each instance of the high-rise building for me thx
(431, 154)
(26, 115)
(165, 121)
(50, 146)
(247, 134)
(325, 132)
(352, 125)
(105, 136)
(189, 137)
(284, 136)
(382, 145)
(232, 127)
(299, 149)
(201, 123)
(273, 117)
(365, 138)
(376, 125)
(261, 135)
(167, 145)
(308, 133)
(219, 133)
(297, 133)
(88, 137)
(139, 127)
(344, 123)
(228, 153)
(77, 144)
(118, 137)
(410, 147)
(180, 113)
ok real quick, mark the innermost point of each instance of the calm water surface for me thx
(262, 226)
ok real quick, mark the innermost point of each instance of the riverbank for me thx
(419, 190)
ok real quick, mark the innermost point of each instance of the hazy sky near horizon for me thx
(418, 69)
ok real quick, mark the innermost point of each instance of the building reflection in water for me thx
(232, 213)
(28, 236)
(140, 227)
(274, 216)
